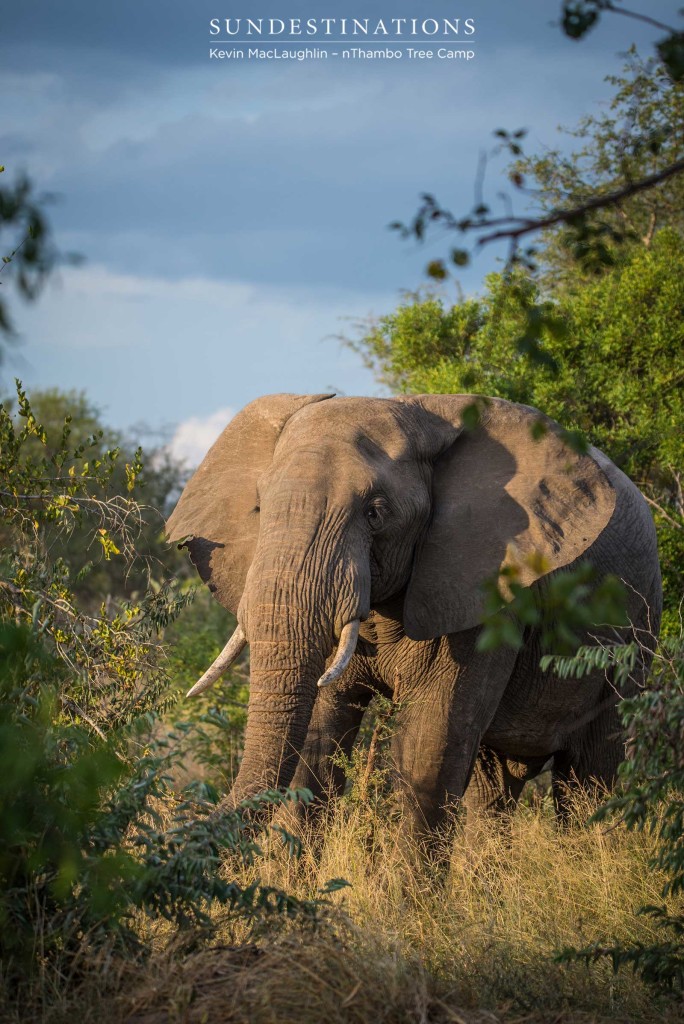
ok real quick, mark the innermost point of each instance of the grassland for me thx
(470, 940)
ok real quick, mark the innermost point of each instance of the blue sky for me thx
(233, 215)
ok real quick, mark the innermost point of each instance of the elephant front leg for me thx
(443, 715)
(432, 763)
(334, 725)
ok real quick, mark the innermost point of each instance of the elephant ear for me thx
(217, 515)
(501, 498)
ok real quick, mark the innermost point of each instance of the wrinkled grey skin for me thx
(312, 511)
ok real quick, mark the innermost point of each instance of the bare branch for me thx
(526, 226)
(663, 513)
(637, 16)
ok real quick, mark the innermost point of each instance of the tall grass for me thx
(411, 941)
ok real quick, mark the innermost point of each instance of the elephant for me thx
(351, 538)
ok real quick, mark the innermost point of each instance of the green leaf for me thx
(671, 51)
(437, 270)
(578, 18)
(459, 257)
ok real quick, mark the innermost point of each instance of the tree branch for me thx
(663, 513)
(527, 226)
(637, 16)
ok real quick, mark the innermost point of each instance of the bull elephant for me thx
(351, 538)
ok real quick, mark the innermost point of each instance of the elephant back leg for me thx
(590, 761)
(497, 782)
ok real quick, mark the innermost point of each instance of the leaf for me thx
(334, 885)
(671, 51)
(108, 546)
(437, 270)
(459, 257)
(578, 18)
(471, 416)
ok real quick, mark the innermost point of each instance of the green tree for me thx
(29, 253)
(85, 761)
(98, 575)
(638, 136)
(650, 798)
(616, 190)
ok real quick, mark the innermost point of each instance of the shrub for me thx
(651, 799)
(92, 831)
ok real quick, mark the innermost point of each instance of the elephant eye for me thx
(375, 515)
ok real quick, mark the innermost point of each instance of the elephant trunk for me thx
(281, 699)
(304, 595)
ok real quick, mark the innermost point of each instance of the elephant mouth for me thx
(238, 641)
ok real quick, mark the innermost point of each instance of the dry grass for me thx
(472, 941)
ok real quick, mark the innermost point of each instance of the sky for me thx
(233, 215)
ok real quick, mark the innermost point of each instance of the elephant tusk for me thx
(228, 655)
(345, 649)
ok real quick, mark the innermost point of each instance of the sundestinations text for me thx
(292, 27)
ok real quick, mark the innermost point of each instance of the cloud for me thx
(195, 436)
(274, 174)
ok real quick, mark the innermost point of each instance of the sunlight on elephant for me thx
(351, 538)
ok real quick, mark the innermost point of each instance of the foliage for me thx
(368, 768)
(566, 605)
(593, 201)
(84, 846)
(579, 16)
(650, 799)
(641, 133)
(96, 574)
(46, 495)
(93, 829)
(216, 718)
(33, 254)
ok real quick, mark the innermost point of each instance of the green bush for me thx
(94, 828)
(650, 798)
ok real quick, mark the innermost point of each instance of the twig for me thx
(663, 513)
(564, 216)
(637, 16)
(73, 706)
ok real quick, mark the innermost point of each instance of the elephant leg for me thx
(493, 788)
(431, 765)
(589, 762)
(440, 725)
(335, 722)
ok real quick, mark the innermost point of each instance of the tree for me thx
(97, 574)
(640, 135)
(629, 154)
(33, 255)
(84, 846)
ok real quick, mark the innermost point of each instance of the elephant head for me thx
(308, 511)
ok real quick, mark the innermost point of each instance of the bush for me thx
(93, 832)
(649, 799)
